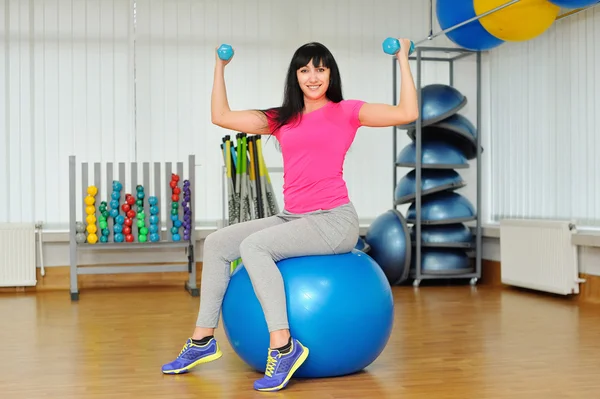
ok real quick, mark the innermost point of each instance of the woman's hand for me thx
(404, 48)
(221, 62)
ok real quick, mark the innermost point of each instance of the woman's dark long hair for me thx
(293, 97)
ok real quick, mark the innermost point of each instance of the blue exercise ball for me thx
(456, 130)
(389, 241)
(435, 154)
(432, 181)
(326, 295)
(438, 101)
(442, 208)
(472, 36)
(574, 3)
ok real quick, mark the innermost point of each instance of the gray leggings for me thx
(261, 243)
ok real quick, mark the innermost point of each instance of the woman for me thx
(315, 127)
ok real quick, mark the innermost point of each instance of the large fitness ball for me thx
(389, 239)
(333, 302)
(471, 36)
(574, 3)
(520, 21)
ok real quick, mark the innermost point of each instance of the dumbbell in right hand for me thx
(225, 52)
(391, 46)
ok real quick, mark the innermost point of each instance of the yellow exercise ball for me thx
(520, 21)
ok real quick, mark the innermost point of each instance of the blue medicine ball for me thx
(339, 306)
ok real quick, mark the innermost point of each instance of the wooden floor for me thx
(448, 342)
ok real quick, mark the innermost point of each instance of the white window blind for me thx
(66, 87)
(545, 124)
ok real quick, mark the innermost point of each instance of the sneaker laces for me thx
(186, 346)
(271, 363)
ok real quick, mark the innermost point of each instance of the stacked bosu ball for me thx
(448, 142)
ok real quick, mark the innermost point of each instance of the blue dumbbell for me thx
(392, 45)
(225, 52)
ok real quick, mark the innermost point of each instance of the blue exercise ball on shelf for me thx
(444, 261)
(389, 241)
(442, 208)
(438, 101)
(456, 130)
(444, 235)
(432, 181)
(435, 154)
(325, 295)
(472, 36)
(574, 3)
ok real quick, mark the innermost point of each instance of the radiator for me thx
(17, 254)
(538, 254)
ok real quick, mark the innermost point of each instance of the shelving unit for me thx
(161, 190)
(448, 56)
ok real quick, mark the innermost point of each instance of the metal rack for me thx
(451, 55)
(166, 240)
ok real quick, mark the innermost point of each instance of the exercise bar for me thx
(576, 11)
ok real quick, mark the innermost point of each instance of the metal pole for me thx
(394, 130)
(478, 238)
(576, 11)
(430, 17)
(418, 143)
(475, 18)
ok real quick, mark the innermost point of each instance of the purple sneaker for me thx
(281, 367)
(192, 355)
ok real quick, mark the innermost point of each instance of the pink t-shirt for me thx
(314, 151)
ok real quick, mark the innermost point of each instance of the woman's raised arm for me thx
(246, 121)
